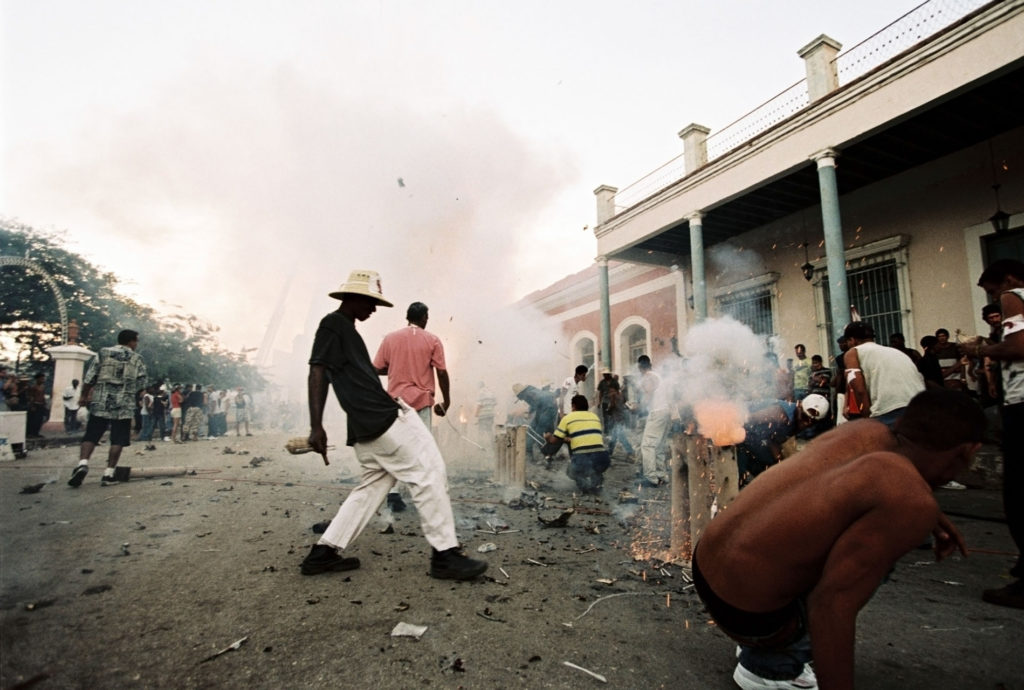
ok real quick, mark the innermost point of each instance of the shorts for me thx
(120, 430)
(175, 413)
(766, 630)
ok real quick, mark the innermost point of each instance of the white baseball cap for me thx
(816, 406)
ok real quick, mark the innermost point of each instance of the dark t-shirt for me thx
(930, 369)
(340, 349)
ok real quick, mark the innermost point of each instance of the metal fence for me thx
(920, 23)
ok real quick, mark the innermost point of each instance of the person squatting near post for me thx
(390, 441)
(588, 458)
(769, 427)
(110, 389)
(822, 530)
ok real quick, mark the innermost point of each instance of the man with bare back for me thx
(821, 530)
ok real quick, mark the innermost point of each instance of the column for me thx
(606, 314)
(833, 231)
(68, 363)
(700, 297)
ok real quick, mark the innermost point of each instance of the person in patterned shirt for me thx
(110, 389)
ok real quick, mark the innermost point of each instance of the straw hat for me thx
(361, 282)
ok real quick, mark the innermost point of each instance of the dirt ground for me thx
(143, 583)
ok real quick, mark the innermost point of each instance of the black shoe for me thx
(395, 503)
(324, 559)
(1011, 595)
(108, 480)
(452, 564)
(77, 475)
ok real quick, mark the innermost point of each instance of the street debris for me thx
(32, 488)
(97, 589)
(561, 521)
(598, 676)
(488, 547)
(230, 648)
(408, 630)
(610, 596)
(41, 604)
(486, 614)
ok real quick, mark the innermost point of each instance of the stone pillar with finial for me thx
(68, 363)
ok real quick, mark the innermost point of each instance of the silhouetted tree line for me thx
(176, 347)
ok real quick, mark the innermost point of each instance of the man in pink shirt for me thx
(409, 357)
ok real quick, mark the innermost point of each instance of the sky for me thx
(235, 160)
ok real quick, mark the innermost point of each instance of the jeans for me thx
(147, 428)
(587, 470)
(617, 434)
(784, 663)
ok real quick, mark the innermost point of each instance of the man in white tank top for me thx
(883, 379)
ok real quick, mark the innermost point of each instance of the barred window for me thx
(878, 286)
(752, 308)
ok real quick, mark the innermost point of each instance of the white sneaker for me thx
(748, 680)
(167, 439)
(955, 486)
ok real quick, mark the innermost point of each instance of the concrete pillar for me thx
(700, 295)
(605, 203)
(606, 313)
(695, 146)
(833, 231)
(68, 363)
(819, 62)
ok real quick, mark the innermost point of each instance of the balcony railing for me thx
(918, 24)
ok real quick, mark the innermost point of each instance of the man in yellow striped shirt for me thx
(589, 458)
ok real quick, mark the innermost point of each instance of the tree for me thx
(176, 347)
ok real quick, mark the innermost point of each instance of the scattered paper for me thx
(408, 630)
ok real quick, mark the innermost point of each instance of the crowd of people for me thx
(820, 527)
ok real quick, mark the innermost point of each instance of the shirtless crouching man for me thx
(821, 530)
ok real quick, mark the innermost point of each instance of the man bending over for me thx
(822, 529)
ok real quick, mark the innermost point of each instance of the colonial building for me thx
(884, 181)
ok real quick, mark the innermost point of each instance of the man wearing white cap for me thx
(389, 438)
(770, 427)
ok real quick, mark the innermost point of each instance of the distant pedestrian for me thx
(36, 396)
(110, 388)
(70, 399)
(243, 411)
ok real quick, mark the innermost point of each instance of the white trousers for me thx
(654, 435)
(406, 452)
(426, 414)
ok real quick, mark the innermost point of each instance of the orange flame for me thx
(721, 421)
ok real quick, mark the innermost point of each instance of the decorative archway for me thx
(33, 267)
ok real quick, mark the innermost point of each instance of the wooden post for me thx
(680, 538)
(698, 468)
(510, 447)
(518, 475)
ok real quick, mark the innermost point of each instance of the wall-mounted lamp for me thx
(808, 268)
(1000, 219)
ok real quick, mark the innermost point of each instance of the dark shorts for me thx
(120, 430)
(770, 629)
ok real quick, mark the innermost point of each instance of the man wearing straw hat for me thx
(389, 438)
